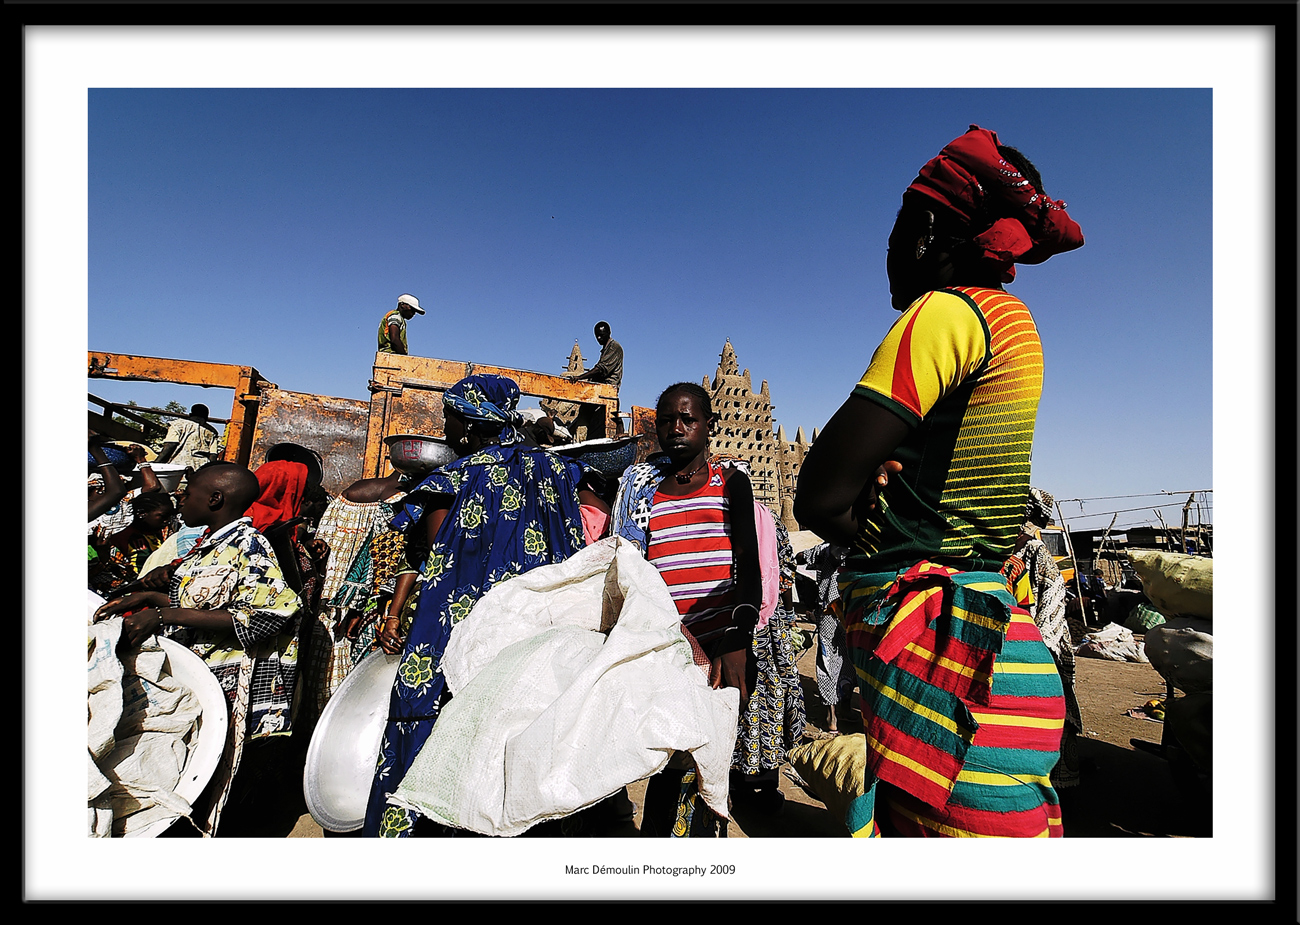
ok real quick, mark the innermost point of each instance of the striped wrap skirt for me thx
(962, 706)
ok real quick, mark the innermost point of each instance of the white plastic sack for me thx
(140, 731)
(104, 709)
(550, 715)
(1112, 642)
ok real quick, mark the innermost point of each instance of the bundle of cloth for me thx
(142, 728)
(570, 682)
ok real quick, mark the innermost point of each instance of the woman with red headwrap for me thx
(962, 705)
(284, 486)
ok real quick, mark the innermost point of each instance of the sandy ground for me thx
(1124, 791)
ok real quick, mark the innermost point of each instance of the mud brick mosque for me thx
(745, 429)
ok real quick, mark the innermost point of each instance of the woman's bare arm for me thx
(389, 635)
(838, 479)
(735, 665)
(114, 487)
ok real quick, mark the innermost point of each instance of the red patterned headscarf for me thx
(283, 484)
(971, 178)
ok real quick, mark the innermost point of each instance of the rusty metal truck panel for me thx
(405, 397)
(333, 427)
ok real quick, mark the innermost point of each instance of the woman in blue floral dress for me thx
(500, 510)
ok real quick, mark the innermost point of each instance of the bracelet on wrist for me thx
(744, 616)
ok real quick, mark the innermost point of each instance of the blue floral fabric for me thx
(513, 508)
(488, 404)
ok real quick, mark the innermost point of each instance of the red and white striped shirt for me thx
(690, 544)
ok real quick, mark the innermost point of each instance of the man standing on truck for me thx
(190, 441)
(392, 329)
(609, 368)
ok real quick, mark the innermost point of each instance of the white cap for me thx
(411, 301)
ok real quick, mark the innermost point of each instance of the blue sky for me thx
(274, 227)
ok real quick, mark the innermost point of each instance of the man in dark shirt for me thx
(1095, 591)
(609, 368)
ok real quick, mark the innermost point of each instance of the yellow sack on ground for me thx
(1178, 585)
(835, 769)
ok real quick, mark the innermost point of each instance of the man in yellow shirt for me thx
(392, 330)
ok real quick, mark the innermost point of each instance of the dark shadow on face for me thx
(455, 433)
(913, 263)
(681, 426)
(154, 519)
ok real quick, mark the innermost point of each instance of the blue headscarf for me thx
(487, 403)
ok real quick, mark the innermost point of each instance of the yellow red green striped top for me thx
(964, 367)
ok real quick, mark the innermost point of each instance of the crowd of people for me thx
(934, 600)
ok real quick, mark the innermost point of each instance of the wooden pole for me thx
(1069, 545)
(1163, 526)
(1102, 548)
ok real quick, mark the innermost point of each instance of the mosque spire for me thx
(727, 365)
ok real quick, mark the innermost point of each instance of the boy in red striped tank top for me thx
(702, 537)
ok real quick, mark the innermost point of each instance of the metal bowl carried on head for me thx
(418, 453)
(341, 757)
(169, 476)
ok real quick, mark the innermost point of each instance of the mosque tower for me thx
(566, 412)
(745, 427)
(575, 366)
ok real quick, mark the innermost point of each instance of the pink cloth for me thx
(594, 522)
(769, 562)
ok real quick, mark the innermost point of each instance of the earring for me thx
(927, 239)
